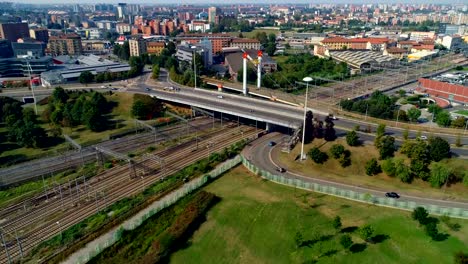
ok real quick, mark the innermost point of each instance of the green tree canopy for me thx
(86, 77)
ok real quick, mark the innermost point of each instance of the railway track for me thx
(73, 159)
(114, 186)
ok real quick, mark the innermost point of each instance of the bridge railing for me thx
(353, 195)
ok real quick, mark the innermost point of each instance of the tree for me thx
(366, 232)
(270, 49)
(402, 171)
(139, 109)
(86, 77)
(92, 117)
(431, 230)
(329, 133)
(439, 149)
(317, 156)
(60, 96)
(420, 214)
(345, 159)
(440, 174)
(352, 138)
(346, 241)
(309, 134)
(156, 70)
(372, 167)
(27, 134)
(251, 75)
(380, 130)
(434, 109)
(388, 166)
(337, 150)
(443, 119)
(414, 114)
(136, 65)
(387, 147)
(336, 223)
(405, 134)
(459, 122)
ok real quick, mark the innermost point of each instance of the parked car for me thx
(392, 195)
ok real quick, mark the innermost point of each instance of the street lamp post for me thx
(307, 80)
(28, 65)
(60, 229)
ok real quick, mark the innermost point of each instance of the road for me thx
(265, 157)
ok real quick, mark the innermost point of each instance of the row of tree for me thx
(146, 107)
(69, 109)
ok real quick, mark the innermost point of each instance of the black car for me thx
(279, 169)
(392, 195)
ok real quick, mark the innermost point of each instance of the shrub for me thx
(336, 150)
(318, 156)
(366, 232)
(461, 257)
(352, 139)
(337, 223)
(346, 241)
(372, 167)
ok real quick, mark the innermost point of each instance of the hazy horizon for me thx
(201, 2)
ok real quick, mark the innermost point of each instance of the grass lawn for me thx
(257, 220)
(462, 112)
(355, 174)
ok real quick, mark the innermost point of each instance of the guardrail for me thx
(356, 196)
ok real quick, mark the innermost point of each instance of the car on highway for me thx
(279, 169)
(220, 96)
(147, 89)
(422, 137)
(271, 143)
(392, 195)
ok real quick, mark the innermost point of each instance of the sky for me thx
(242, 1)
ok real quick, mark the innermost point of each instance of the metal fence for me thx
(356, 196)
(95, 247)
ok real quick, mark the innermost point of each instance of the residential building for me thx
(154, 47)
(67, 44)
(419, 36)
(40, 34)
(5, 49)
(212, 13)
(185, 53)
(200, 26)
(32, 49)
(123, 28)
(14, 31)
(245, 43)
(452, 42)
(137, 46)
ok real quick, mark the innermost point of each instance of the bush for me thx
(337, 223)
(336, 150)
(346, 241)
(420, 214)
(431, 230)
(372, 167)
(318, 156)
(366, 232)
(461, 257)
(352, 139)
(345, 161)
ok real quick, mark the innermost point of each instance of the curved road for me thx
(263, 156)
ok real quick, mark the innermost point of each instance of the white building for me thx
(121, 28)
(452, 42)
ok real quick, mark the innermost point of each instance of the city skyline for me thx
(205, 2)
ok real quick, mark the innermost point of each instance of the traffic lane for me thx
(262, 156)
(222, 104)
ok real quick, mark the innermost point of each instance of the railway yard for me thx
(27, 223)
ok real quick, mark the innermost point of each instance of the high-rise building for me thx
(212, 13)
(69, 44)
(137, 46)
(40, 34)
(121, 10)
(14, 31)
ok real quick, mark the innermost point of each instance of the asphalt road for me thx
(263, 156)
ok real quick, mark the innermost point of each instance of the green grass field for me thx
(462, 112)
(256, 222)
